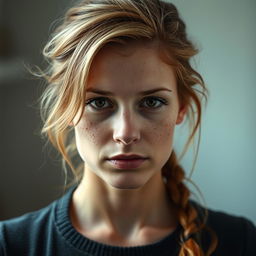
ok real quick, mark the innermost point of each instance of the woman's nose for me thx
(126, 128)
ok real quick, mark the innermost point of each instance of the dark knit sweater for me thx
(49, 232)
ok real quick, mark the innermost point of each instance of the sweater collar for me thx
(165, 246)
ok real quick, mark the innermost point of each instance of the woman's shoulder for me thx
(236, 235)
(222, 221)
(25, 221)
(23, 231)
(38, 217)
(21, 235)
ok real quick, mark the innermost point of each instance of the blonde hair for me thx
(87, 28)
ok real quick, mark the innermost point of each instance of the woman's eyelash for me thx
(150, 102)
(99, 103)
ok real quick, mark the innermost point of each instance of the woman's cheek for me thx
(163, 132)
(87, 132)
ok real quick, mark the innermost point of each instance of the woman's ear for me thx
(181, 115)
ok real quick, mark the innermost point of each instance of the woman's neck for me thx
(110, 214)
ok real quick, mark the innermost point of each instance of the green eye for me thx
(99, 103)
(153, 102)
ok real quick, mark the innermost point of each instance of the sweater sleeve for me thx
(249, 238)
(235, 235)
(2, 241)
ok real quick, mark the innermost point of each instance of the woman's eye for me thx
(99, 103)
(153, 102)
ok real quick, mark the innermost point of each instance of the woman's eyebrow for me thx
(103, 92)
(154, 90)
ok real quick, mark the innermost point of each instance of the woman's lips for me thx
(127, 163)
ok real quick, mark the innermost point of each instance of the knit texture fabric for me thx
(49, 232)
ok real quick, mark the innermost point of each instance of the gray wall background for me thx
(30, 177)
(224, 31)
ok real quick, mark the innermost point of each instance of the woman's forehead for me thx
(127, 47)
(136, 56)
(141, 69)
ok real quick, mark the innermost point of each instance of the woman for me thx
(119, 82)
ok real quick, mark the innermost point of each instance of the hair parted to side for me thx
(87, 28)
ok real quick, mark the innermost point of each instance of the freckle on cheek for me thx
(156, 133)
(93, 136)
(88, 133)
(165, 132)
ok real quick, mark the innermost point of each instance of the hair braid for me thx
(186, 213)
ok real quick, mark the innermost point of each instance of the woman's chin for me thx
(126, 183)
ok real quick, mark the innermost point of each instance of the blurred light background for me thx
(30, 177)
(223, 30)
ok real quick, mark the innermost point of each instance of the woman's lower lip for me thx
(127, 163)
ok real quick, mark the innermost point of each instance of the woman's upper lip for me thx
(127, 157)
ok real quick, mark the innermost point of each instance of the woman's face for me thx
(125, 135)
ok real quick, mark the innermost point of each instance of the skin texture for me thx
(126, 206)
